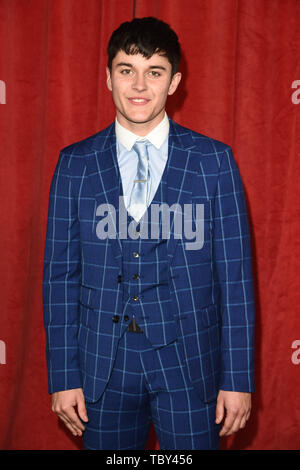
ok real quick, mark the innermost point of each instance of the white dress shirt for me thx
(128, 159)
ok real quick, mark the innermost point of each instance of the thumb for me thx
(219, 411)
(82, 410)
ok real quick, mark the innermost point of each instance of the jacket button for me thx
(135, 254)
(136, 276)
(135, 297)
(126, 317)
(115, 318)
(119, 278)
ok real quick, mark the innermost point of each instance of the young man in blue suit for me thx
(144, 325)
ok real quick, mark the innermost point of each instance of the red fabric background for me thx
(241, 59)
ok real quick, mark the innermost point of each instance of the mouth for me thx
(138, 101)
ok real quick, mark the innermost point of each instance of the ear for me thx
(174, 83)
(108, 79)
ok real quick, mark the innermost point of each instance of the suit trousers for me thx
(150, 385)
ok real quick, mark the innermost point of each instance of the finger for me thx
(73, 418)
(239, 423)
(235, 426)
(228, 423)
(63, 415)
(82, 410)
(219, 411)
(243, 422)
(67, 423)
(227, 429)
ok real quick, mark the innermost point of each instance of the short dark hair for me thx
(145, 36)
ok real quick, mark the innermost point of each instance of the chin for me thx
(139, 119)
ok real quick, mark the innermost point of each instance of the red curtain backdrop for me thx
(242, 86)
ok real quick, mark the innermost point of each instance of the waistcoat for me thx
(146, 273)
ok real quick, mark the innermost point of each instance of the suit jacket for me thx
(211, 287)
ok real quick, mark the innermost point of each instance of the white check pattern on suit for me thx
(211, 289)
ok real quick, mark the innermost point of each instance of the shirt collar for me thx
(157, 136)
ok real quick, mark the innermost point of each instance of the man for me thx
(148, 326)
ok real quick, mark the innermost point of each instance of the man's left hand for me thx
(238, 408)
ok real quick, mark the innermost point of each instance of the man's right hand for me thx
(64, 404)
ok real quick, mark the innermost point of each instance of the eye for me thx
(154, 73)
(125, 71)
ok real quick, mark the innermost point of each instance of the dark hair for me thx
(145, 36)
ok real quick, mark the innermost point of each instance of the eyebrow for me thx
(125, 64)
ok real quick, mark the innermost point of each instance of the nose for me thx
(139, 82)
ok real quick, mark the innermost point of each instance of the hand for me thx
(64, 403)
(238, 408)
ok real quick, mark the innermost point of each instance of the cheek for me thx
(117, 93)
(161, 93)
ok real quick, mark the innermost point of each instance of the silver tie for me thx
(138, 198)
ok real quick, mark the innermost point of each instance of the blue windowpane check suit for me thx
(195, 307)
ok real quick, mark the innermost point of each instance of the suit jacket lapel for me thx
(181, 170)
(105, 179)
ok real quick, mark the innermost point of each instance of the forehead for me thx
(138, 60)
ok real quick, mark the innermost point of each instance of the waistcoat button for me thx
(136, 276)
(115, 318)
(135, 254)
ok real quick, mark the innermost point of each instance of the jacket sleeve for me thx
(232, 255)
(61, 279)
